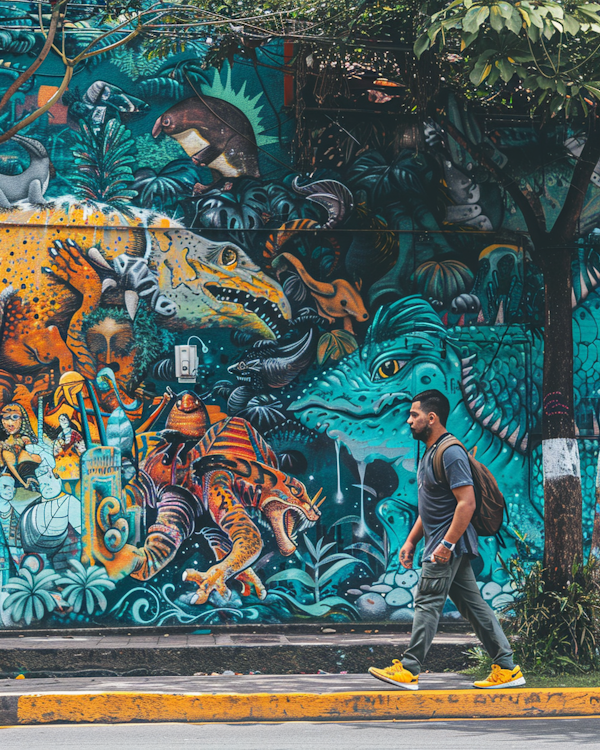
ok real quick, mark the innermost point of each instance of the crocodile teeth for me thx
(98, 258)
(263, 308)
(512, 439)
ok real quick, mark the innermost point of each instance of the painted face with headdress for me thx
(15, 421)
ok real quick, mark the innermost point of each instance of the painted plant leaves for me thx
(334, 345)
(103, 163)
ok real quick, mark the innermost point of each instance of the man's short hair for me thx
(435, 401)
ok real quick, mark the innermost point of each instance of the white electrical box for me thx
(186, 363)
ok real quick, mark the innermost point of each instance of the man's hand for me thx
(441, 555)
(406, 554)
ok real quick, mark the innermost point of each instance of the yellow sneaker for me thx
(501, 678)
(397, 675)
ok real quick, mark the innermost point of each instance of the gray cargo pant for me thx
(456, 580)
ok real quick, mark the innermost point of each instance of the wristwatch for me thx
(448, 545)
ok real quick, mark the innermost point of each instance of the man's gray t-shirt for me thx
(437, 503)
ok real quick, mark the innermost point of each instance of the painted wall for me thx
(157, 207)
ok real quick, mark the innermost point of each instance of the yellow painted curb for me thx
(117, 707)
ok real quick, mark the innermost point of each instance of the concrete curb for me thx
(185, 655)
(121, 707)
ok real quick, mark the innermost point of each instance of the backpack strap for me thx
(439, 471)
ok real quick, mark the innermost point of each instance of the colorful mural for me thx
(207, 355)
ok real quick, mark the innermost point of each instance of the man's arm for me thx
(407, 552)
(465, 507)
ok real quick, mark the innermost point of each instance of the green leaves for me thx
(480, 72)
(514, 23)
(506, 69)
(103, 163)
(162, 189)
(293, 574)
(85, 586)
(593, 87)
(497, 20)
(324, 567)
(30, 596)
(334, 345)
(321, 608)
(556, 630)
(369, 549)
(475, 17)
(421, 44)
(520, 18)
(553, 48)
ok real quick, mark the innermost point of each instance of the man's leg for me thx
(465, 594)
(432, 593)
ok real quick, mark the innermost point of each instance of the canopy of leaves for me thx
(543, 53)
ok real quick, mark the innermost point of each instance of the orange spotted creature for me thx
(230, 474)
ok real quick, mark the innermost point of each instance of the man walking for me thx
(445, 511)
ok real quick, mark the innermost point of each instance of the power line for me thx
(241, 230)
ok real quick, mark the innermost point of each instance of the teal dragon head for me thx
(364, 400)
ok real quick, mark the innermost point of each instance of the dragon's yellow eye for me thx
(389, 367)
(229, 257)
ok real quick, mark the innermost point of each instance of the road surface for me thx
(431, 735)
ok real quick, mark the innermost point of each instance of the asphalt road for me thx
(437, 735)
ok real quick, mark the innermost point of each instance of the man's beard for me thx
(423, 434)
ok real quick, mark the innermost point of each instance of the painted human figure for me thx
(53, 526)
(10, 535)
(111, 340)
(69, 440)
(19, 435)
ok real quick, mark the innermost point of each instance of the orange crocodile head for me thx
(288, 508)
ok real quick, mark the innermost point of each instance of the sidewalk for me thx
(186, 654)
(254, 698)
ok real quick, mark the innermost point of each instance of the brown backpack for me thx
(490, 503)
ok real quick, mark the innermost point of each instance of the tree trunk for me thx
(595, 547)
(562, 479)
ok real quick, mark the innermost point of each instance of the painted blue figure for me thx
(53, 526)
(10, 535)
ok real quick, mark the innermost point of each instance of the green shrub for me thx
(552, 630)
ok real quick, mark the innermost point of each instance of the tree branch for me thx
(26, 74)
(155, 13)
(530, 208)
(109, 47)
(566, 223)
(84, 53)
(40, 111)
(70, 66)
